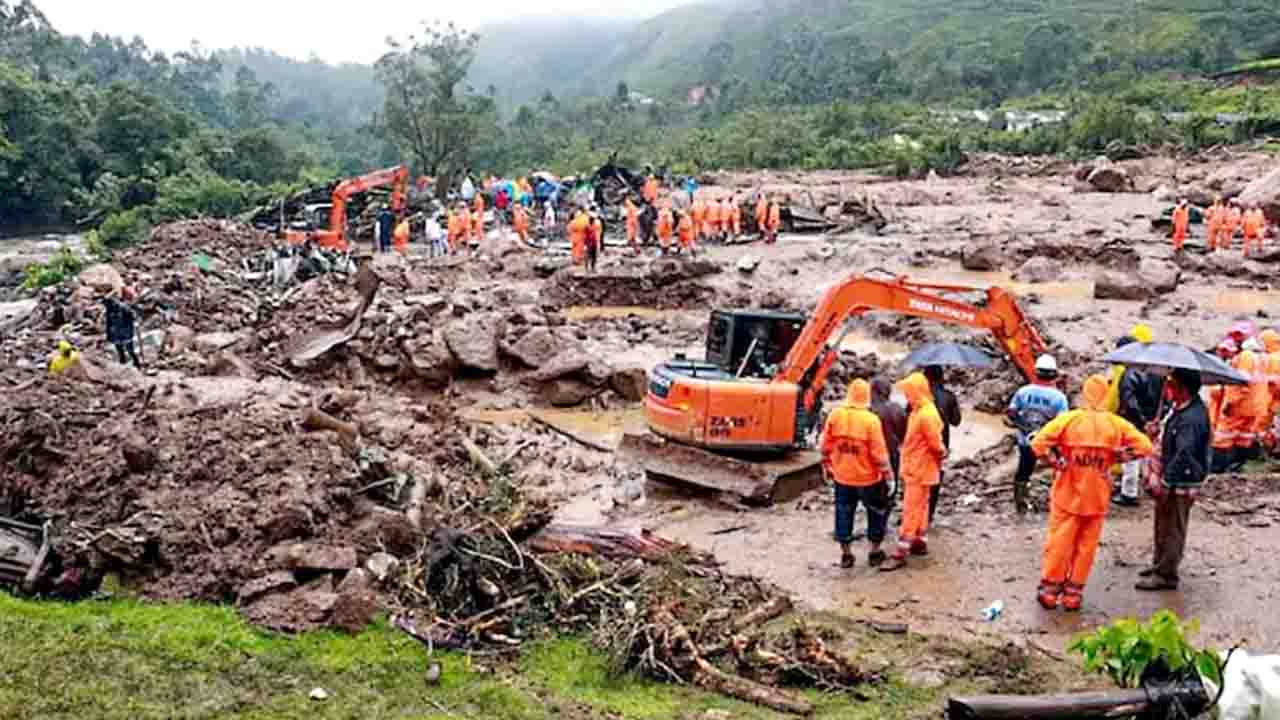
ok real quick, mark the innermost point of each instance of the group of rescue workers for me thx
(867, 448)
(651, 218)
(1223, 222)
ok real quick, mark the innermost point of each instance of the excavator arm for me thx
(810, 360)
(397, 177)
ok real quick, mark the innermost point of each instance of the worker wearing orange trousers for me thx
(1230, 225)
(762, 214)
(650, 191)
(1270, 340)
(633, 225)
(712, 229)
(1213, 218)
(520, 222)
(735, 218)
(665, 226)
(1245, 403)
(774, 223)
(686, 230)
(922, 452)
(1254, 224)
(1181, 222)
(698, 214)
(578, 229)
(1224, 440)
(400, 238)
(856, 457)
(1082, 444)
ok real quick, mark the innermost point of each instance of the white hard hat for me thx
(1046, 364)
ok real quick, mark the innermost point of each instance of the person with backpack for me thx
(1032, 407)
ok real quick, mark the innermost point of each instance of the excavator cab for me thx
(749, 343)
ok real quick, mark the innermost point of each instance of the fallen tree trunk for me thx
(1189, 697)
(606, 542)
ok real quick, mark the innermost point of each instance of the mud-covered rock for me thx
(1038, 270)
(474, 342)
(356, 603)
(1266, 192)
(387, 530)
(1110, 178)
(631, 383)
(564, 364)
(382, 566)
(321, 557)
(535, 348)
(139, 455)
(102, 278)
(280, 581)
(428, 358)
(567, 393)
(1149, 280)
(981, 257)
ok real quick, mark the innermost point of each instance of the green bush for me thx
(1124, 649)
(64, 264)
(124, 228)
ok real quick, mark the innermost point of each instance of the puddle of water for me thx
(588, 312)
(976, 433)
(494, 417)
(1245, 301)
(863, 344)
(1062, 290)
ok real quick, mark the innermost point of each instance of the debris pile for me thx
(664, 283)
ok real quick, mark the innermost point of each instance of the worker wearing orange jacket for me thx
(774, 223)
(477, 217)
(1224, 442)
(1270, 340)
(856, 457)
(665, 227)
(1230, 225)
(633, 225)
(650, 191)
(1254, 224)
(520, 222)
(686, 229)
(1181, 222)
(400, 238)
(578, 229)
(1213, 218)
(922, 452)
(735, 218)
(1082, 444)
(459, 227)
(698, 213)
(762, 214)
(715, 218)
(1259, 390)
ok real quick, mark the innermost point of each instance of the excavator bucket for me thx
(776, 479)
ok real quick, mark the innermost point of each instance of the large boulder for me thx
(102, 278)
(535, 349)
(474, 342)
(1150, 280)
(428, 358)
(567, 393)
(1266, 192)
(1111, 179)
(1038, 270)
(981, 257)
(631, 383)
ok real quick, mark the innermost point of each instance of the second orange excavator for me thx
(743, 421)
(335, 236)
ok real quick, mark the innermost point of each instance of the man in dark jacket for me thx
(949, 408)
(121, 330)
(386, 223)
(893, 420)
(1184, 459)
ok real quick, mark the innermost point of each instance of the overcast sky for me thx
(336, 31)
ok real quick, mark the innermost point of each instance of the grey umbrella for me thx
(947, 355)
(1162, 357)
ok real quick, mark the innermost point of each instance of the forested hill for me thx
(814, 50)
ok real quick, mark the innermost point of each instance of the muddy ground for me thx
(494, 347)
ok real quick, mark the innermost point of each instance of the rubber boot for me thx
(1072, 598)
(1049, 595)
(920, 548)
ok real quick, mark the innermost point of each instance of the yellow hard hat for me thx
(1142, 334)
(64, 347)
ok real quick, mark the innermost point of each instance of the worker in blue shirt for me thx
(1031, 408)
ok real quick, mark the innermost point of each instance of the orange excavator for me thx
(335, 237)
(743, 420)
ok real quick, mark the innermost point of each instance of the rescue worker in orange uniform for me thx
(762, 214)
(1254, 224)
(922, 454)
(1224, 441)
(735, 218)
(711, 229)
(595, 241)
(1082, 444)
(520, 222)
(686, 229)
(578, 228)
(1213, 218)
(1270, 340)
(1259, 397)
(1230, 225)
(1181, 222)
(400, 238)
(633, 225)
(698, 213)
(477, 218)
(665, 227)
(650, 191)
(774, 223)
(856, 457)
(463, 217)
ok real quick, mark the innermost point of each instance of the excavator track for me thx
(766, 481)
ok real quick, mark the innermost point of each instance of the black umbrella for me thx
(948, 355)
(1162, 357)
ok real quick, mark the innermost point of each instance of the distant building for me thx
(699, 94)
(1023, 120)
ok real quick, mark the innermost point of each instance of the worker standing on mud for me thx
(735, 218)
(401, 237)
(1031, 408)
(385, 226)
(855, 456)
(762, 216)
(64, 358)
(1254, 225)
(650, 191)
(949, 408)
(121, 330)
(666, 226)
(477, 218)
(1181, 222)
(1214, 218)
(436, 237)
(1231, 225)
(686, 229)
(633, 225)
(1083, 445)
(773, 223)
(698, 213)
(520, 222)
(1270, 340)
(922, 456)
(578, 229)
(595, 240)
(1222, 455)
(893, 421)
(1184, 450)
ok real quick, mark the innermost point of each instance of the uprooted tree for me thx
(428, 111)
